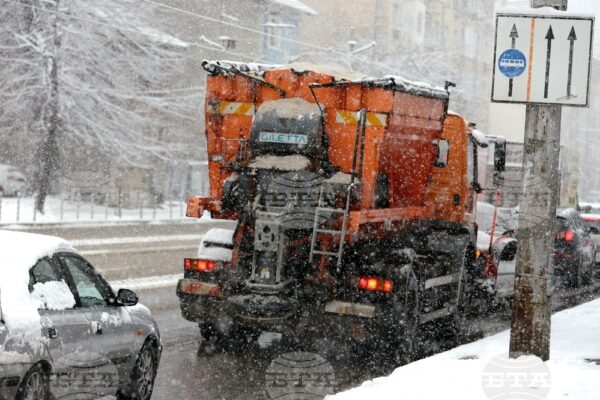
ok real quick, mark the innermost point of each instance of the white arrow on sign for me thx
(542, 59)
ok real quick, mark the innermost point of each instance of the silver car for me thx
(85, 342)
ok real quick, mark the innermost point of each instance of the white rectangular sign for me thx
(287, 138)
(542, 59)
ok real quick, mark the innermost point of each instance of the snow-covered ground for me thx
(20, 210)
(482, 370)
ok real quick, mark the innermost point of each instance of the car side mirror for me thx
(500, 155)
(127, 297)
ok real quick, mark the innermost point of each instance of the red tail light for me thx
(373, 284)
(566, 235)
(195, 264)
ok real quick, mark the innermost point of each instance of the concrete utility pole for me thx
(530, 325)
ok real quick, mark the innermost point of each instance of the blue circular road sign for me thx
(512, 63)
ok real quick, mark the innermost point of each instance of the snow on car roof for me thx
(19, 251)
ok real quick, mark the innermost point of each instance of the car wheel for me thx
(573, 275)
(586, 276)
(143, 375)
(35, 385)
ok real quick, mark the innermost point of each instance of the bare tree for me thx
(86, 76)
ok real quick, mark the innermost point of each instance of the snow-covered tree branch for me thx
(92, 76)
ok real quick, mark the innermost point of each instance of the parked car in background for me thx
(12, 181)
(574, 250)
(499, 269)
(64, 333)
(591, 215)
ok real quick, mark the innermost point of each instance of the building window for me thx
(273, 34)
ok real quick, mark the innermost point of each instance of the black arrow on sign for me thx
(513, 42)
(572, 38)
(549, 38)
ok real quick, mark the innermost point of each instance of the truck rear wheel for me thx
(464, 296)
(235, 341)
(406, 310)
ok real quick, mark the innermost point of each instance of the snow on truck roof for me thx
(19, 251)
(340, 75)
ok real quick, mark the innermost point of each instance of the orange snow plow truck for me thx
(354, 200)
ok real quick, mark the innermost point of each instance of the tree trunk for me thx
(48, 151)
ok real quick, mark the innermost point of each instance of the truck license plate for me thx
(359, 310)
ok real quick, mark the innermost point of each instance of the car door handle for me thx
(52, 333)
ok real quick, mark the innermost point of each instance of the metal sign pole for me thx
(530, 324)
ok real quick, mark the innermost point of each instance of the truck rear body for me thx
(350, 196)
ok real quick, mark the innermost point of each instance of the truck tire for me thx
(464, 298)
(214, 341)
(406, 319)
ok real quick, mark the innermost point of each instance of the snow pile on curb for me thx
(481, 370)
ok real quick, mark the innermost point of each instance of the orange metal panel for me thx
(331, 97)
(197, 204)
(354, 101)
(214, 176)
(236, 126)
(220, 87)
(265, 93)
(453, 179)
(341, 142)
(416, 106)
(213, 134)
(378, 100)
(285, 79)
(243, 88)
(306, 80)
(370, 167)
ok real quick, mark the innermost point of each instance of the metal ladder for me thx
(323, 208)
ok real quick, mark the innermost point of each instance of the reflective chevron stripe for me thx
(351, 118)
(231, 108)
